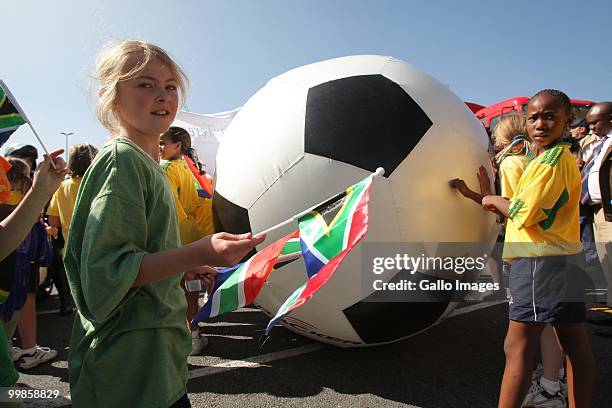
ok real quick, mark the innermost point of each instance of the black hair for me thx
(563, 99)
(178, 134)
(25, 152)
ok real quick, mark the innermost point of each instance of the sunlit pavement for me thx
(457, 363)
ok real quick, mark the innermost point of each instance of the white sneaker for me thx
(537, 373)
(198, 344)
(16, 353)
(538, 397)
(36, 355)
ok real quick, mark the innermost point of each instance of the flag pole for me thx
(379, 172)
(42, 144)
(11, 98)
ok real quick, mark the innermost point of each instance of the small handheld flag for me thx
(13, 102)
(327, 235)
(10, 116)
(239, 285)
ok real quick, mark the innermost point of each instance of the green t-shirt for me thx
(129, 346)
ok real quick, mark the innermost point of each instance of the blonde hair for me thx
(507, 128)
(510, 137)
(111, 68)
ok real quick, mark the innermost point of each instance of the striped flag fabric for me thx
(290, 252)
(11, 116)
(203, 186)
(239, 285)
(327, 235)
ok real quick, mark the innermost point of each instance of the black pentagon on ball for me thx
(367, 121)
(230, 217)
(388, 316)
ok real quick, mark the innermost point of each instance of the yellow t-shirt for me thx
(544, 215)
(194, 212)
(62, 203)
(510, 171)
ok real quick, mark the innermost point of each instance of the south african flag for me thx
(10, 115)
(327, 234)
(239, 285)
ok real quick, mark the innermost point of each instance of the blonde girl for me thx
(511, 141)
(124, 259)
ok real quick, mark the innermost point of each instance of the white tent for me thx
(206, 132)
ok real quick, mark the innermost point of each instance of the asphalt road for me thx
(457, 363)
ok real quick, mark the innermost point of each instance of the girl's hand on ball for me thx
(460, 185)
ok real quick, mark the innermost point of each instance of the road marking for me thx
(46, 312)
(254, 362)
(229, 336)
(473, 308)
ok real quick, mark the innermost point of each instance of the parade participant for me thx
(123, 257)
(15, 227)
(19, 179)
(19, 309)
(194, 212)
(596, 195)
(543, 246)
(60, 213)
(511, 136)
(579, 128)
(513, 147)
(62, 203)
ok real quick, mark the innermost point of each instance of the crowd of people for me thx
(124, 235)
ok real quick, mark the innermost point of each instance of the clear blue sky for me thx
(485, 50)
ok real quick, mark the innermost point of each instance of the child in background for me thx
(543, 246)
(514, 152)
(60, 213)
(19, 179)
(194, 212)
(513, 155)
(15, 227)
(62, 203)
(33, 252)
(124, 258)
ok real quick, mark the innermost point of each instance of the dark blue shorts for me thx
(547, 289)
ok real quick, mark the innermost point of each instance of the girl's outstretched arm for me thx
(16, 226)
(483, 181)
(221, 249)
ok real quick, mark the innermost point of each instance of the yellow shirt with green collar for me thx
(544, 216)
(510, 171)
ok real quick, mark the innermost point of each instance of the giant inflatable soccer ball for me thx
(315, 130)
